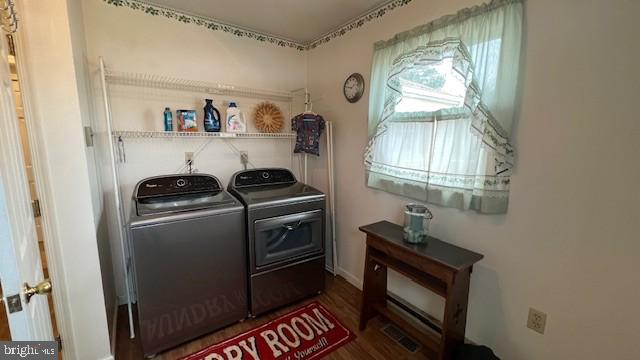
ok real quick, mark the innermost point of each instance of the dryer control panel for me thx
(177, 185)
(263, 177)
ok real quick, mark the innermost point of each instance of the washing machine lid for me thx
(180, 203)
(179, 193)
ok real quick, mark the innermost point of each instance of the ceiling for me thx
(299, 20)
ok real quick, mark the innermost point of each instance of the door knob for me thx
(42, 288)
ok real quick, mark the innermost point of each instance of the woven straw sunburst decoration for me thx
(268, 117)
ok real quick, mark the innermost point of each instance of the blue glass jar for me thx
(416, 223)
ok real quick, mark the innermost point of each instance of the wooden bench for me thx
(443, 268)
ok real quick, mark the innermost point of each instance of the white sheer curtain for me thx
(442, 106)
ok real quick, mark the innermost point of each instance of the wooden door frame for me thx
(51, 242)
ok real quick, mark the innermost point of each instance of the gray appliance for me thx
(285, 236)
(187, 243)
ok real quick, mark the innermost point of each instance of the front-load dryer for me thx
(285, 237)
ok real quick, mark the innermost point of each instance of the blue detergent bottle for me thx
(211, 117)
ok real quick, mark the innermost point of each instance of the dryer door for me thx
(289, 237)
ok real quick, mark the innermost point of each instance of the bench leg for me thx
(374, 289)
(455, 314)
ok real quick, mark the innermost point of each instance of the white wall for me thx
(568, 245)
(56, 109)
(87, 110)
(132, 41)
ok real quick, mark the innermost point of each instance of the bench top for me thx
(449, 255)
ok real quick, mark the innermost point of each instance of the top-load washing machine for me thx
(285, 236)
(187, 243)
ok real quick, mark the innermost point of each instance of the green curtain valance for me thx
(444, 21)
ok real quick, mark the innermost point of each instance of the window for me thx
(441, 106)
(430, 87)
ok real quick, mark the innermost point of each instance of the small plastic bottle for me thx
(168, 120)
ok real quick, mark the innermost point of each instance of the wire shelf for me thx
(171, 83)
(127, 134)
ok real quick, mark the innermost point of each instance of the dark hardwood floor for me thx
(340, 297)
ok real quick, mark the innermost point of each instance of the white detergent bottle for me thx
(234, 120)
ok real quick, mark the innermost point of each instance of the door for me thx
(289, 237)
(19, 254)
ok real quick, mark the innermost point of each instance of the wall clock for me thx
(353, 87)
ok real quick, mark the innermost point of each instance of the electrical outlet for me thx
(244, 158)
(537, 320)
(188, 158)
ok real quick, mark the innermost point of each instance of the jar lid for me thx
(420, 209)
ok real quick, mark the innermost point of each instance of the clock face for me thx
(354, 87)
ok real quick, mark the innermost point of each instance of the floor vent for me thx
(401, 338)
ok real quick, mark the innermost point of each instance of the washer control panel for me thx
(176, 185)
(263, 177)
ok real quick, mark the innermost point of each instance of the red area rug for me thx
(310, 332)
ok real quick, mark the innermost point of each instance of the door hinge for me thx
(88, 136)
(59, 341)
(12, 45)
(35, 204)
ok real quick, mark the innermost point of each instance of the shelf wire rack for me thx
(128, 134)
(172, 83)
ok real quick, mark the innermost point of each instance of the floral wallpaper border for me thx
(358, 22)
(210, 24)
(214, 25)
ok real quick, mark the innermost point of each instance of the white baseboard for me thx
(352, 279)
(110, 357)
